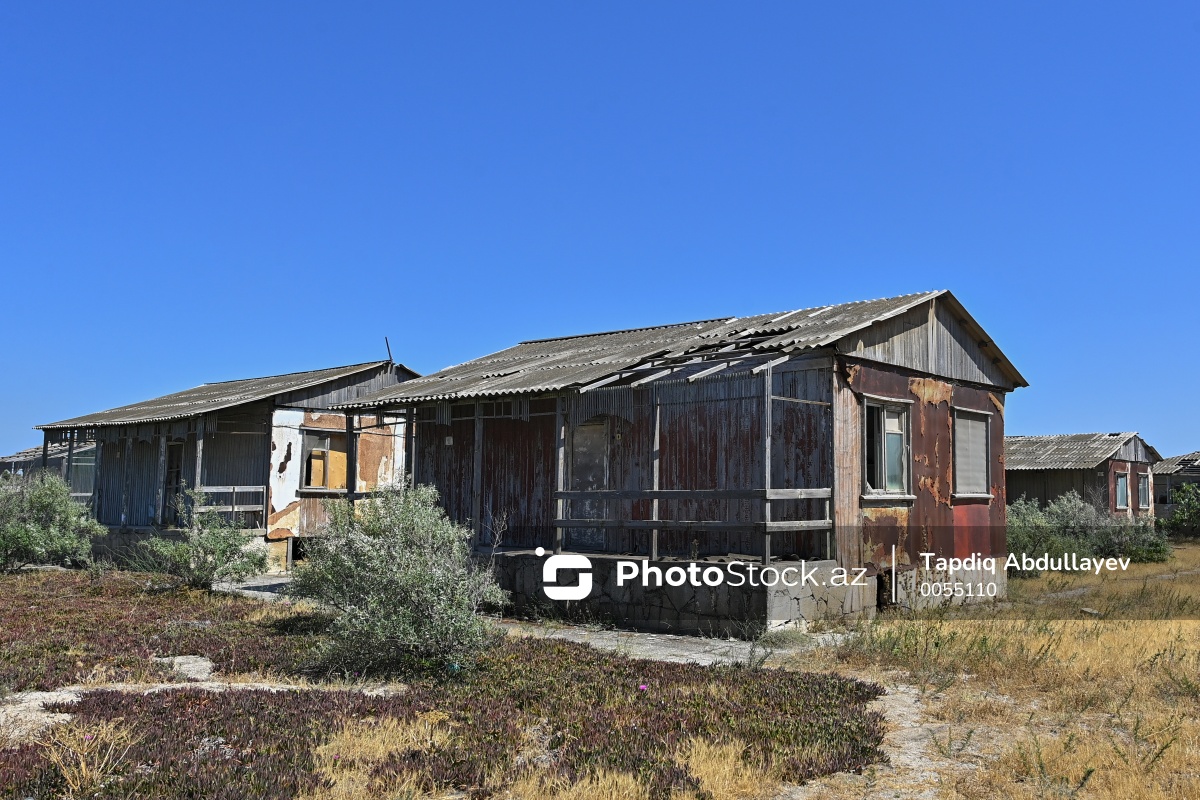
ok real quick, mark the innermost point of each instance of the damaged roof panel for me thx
(211, 397)
(556, 364)
(1066, 450)
(1187, 464)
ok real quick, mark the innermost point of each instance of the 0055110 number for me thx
(956, 589)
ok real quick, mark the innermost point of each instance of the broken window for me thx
(1122, 490)
(1143, 491)
(324, 460)
(887, 448)
(970, 453)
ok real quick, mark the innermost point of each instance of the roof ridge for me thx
(728, 320)
(283, 375)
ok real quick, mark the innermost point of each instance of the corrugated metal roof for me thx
(1187, 464)
(1062, 451)
(549, 365)
(53, 450)
(211, 397)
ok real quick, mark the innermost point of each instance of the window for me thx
(887, 448)
(324, 460)
(1143, 491)
(1122, 490)
(971, 453)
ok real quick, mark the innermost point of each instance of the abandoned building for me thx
(834, 434)
(1169, 475)
(265, 451)
(1111, 470)
(63, 459)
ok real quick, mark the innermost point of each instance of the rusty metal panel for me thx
(935, 521)
(339, 384)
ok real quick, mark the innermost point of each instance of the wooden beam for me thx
(652, 376)
(161, 478)
(704, 373)
(560, 462)
(70, 456)
(351, 458)
(602, 382)
(45, 449)
(410, 448)
(129, 433)
(696, 494)
(768, 393)
(656, 455)
(477, 479)
(780, 526)
(198, 480)
(769, 365)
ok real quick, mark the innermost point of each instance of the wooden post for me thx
(70, 456)
(351, 458)
(129, 434)
(410, 445)
(560, 473)
(45, 449)
(767, 387)
(477, 478)
(654, 471)
(198, 482)
(160, 492)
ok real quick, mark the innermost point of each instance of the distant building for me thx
(76, 464)
(1169, 475)
(266, 451)
(1113, 470)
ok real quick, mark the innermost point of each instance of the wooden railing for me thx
(765, 527)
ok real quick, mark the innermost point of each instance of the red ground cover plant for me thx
(58, 628)
(259, 744)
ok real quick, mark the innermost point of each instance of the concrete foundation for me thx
(745, 601)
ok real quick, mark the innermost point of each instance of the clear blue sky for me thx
(192, 193)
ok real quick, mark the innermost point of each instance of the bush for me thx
(1069, 524)
(1031, 531)
(41, 524)
(401, 582)
(1185, 518)
(212, 549)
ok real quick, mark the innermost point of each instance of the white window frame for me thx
(1117, 491)
(306, 451)
(1145, 501)
(905, 408)
(987, 443)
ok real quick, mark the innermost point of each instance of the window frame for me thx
(905, 408)
(956, 493)
(1145, 501)
(306, 451)
(1117, 491)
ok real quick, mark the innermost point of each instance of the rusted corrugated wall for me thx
(935, 521)
(711, 437)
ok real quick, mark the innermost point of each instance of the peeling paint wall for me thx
(936, 520)
(287, 445)
(296, 512)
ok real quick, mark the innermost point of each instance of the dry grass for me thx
(348, 757)
(88, 756)
(1089, 708)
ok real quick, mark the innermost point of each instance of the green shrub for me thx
(212, 549)
(41, 524)
(1185, 517)
(400, 580)
(1069, 524)
(1031, 531)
